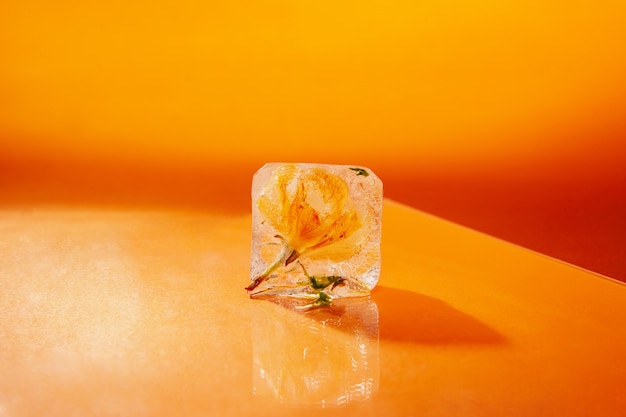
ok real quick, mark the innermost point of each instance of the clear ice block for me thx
(316, 231)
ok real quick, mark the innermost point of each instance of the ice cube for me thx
(316, 231)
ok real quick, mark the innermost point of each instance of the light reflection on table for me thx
(324, 357)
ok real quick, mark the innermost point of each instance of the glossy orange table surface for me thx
(137, 312)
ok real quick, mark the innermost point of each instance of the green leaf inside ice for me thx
(360, 171)
(319, 283)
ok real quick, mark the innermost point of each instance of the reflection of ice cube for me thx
(324, 220)
(325, 357)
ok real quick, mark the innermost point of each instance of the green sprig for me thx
(360, 171)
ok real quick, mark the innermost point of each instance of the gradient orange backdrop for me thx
(505, 116)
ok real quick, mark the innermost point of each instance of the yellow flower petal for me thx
(309, 211)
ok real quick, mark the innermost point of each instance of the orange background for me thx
(506, 117)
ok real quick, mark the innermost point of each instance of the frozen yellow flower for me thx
(309, 211)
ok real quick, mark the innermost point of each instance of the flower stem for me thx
(287, 256)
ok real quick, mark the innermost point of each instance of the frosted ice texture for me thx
(315, 228)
